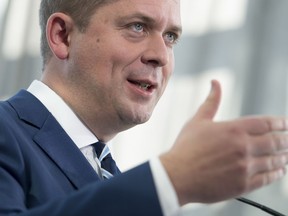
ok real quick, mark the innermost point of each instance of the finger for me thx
(210, 106)
(269, 163)
(270, 143)
(266, 178)
(261, 125)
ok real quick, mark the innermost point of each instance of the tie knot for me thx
(101, 150)
(99, 146)
(108, 165)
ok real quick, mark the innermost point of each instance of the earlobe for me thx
(59, 28)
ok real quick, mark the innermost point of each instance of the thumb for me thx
(210, 106)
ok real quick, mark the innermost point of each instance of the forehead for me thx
(162, 11)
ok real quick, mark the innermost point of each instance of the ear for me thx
(58, 32)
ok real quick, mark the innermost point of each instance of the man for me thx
(106, 64)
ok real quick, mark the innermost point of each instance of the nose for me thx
(156, 52)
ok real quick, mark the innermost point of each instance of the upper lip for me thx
(149, 83)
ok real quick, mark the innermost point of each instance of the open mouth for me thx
(142, 85)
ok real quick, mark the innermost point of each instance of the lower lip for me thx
(139, 91)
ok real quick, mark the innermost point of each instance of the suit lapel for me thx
(53, 140)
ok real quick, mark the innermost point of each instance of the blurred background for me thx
(243, 44)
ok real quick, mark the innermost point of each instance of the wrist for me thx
(174, 173)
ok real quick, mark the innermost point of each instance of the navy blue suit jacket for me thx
(42, 172)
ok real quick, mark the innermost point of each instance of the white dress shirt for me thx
(83, 138)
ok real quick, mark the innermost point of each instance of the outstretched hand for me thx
(214, 161)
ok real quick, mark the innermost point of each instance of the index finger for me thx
(260, 125)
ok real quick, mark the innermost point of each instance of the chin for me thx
(128, 123)
(138, 118)
(142, 119)
(131, 116)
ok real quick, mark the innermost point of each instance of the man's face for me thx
(121, 64)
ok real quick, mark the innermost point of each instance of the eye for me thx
(137, 27)
(171, 38)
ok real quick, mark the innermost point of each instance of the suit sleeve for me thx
(131, 193)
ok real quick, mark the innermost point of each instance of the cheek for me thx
(168, 70)
(83, 54)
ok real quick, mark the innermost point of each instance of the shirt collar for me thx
(68, 120)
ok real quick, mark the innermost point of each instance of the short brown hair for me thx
(79, 10)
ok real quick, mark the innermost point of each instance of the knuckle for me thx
(278, 141)
(269, 124)
(271, 177)
(272, 163)
(242, 149)
(243, 175)
(275, 142)
(236, 130)
(242, 141)
(243, 168)
(282, 141)
(278, 161)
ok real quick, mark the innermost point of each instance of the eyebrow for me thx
(149, 20)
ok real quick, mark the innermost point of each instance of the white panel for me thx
(202, 16)
(3, 5)
(16, 26)
(229, 14)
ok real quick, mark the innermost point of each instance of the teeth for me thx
(144, 85)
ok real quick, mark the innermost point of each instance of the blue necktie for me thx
(108, 165)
